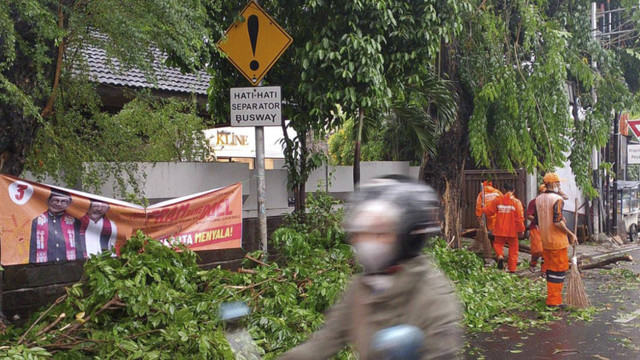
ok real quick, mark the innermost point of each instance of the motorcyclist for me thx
(389, 220)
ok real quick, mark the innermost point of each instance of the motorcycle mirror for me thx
(398, 342)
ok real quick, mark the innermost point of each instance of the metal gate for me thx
(472, 185)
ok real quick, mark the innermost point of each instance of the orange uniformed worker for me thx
(534, 235)
(509, 222)
(490, 194)
(555, 238)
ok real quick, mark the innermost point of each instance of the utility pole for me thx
(610, 34)
(616, 170)
(595, 155)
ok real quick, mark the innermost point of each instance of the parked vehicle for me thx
(629, 206)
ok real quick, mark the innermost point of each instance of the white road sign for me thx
(256, 106)
(633, 154)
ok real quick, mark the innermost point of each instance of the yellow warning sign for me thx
(254, 43)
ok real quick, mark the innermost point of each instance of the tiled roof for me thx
(101, 70)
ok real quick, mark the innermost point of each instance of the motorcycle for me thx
(400, 342)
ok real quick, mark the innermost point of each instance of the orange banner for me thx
(48, 224)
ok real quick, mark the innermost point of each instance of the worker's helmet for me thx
(411, 208)
(551, 178)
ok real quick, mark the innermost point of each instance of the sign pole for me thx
(253, 46)
(262, 207)
(261, 184)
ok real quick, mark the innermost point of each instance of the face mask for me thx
(374, 256)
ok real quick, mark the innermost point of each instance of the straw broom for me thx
(482, 235)
(576, 296)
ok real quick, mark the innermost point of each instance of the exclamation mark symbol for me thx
(252, 25)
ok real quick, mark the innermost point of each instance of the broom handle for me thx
(484, 217)
(575, 226)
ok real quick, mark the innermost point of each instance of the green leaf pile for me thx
(490, 297)
(156, 303)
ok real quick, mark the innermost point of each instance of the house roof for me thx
(110, 71)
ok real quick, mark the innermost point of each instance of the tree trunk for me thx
(358, 150)
(444, 172)
(16, 140)
(423, 164)
(304, 157)
(19, 118)
(605, 262)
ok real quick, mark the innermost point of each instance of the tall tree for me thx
(511, 65)
(361, 59)
(410, 131)
(82, 145)
(39, 43)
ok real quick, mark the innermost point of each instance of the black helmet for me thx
(413, 208)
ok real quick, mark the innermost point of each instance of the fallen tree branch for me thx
(469, 233)
(605, 262)
(256, 260)
(58, 301)
(144, 333)
(247, 271)
(115, 301)
(71, 345)
(50, 326)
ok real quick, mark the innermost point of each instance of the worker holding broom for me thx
(509, 223)
(486, 195)
(534, 235)
(555, 238)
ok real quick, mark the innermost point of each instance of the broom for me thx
(482, 235)
(576, 296)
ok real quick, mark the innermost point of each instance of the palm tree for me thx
(418, 118)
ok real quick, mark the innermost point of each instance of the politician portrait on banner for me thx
(44, 224)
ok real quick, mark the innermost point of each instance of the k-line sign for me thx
(48, 224)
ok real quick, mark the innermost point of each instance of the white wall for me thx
(168, 180)
(341, 177)
(570, 188)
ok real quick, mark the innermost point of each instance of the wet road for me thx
(614, 332)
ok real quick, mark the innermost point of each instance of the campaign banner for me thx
(48, 224)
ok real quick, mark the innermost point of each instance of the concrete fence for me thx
(163, 181)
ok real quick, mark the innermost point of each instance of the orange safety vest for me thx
(490, 194)
(509, 215)
(552, 237)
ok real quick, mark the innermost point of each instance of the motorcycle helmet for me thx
(410, 210)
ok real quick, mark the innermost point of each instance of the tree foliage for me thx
(362, 59)
(41, 66)
(76, 148)
(519, 58)
(409, 131)
(342, 144)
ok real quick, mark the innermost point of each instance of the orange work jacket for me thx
(548, 211)
(490, 194)
(509, 215)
